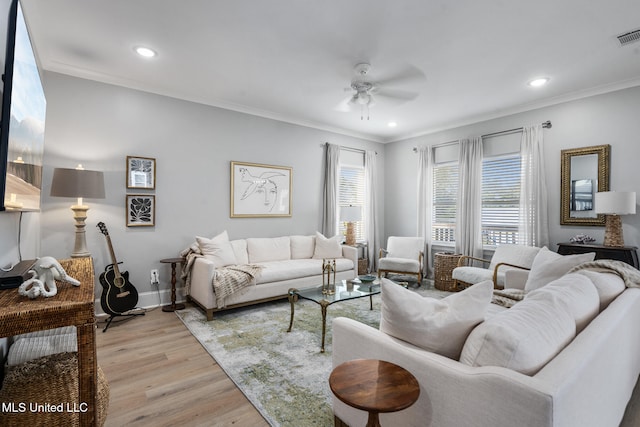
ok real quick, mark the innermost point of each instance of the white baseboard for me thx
(148, 300)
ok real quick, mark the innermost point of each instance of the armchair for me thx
(403, 255)
(506, 257)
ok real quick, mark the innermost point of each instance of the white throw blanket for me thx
(233, 279)
(226, 280)
(628, 273)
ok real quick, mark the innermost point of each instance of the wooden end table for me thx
(374, 386)
(173, 306)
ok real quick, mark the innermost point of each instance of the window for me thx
(351, 193)
(500, 199)
(445, 194)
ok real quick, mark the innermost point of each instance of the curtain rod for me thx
(545, 125)
(355, 150)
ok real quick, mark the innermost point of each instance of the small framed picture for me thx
(141, 172)
(141, 210)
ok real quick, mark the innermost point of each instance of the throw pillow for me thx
(523, 338)
(578, 292)
(327, 248)
(548, 266)
(302, 247)
(218, 249)
(608, 285)
(440, 326)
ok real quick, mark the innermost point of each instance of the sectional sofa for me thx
(286, 262)
(567, 355)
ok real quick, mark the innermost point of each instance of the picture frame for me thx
(141, 172)
(141, 210)
(259, 190)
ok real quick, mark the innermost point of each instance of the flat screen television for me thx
(22, 121)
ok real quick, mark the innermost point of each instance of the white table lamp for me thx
(78, 183)
(613, 204)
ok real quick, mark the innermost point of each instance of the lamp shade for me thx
(77, 183)
(615, 202)
(350, 213)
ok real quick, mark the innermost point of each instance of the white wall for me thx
(604, 119)
(98, 125)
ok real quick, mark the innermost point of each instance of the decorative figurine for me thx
(328, 285)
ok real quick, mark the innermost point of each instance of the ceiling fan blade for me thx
(409, 75)
(345, 105)
(396, 94)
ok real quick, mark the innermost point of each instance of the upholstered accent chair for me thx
(504, 258)
(403, 255)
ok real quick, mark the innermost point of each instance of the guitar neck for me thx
(116, 270)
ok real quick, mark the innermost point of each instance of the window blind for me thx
(500, 199)
(445, 193)
(351, 193)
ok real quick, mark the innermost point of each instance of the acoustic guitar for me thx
(118, 294)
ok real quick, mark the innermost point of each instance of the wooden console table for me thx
(626, 254)
(71, 306)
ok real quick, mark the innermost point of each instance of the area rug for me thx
(283, 374)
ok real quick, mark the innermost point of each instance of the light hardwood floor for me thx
(159, 375)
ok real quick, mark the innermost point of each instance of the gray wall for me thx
(98, 125)
(604, 119)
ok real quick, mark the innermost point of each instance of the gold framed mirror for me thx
(584, 171)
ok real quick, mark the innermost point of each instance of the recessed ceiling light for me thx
(539, 82)
(145, 52)
(392, 124)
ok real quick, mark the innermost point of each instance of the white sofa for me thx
(288, 261)
(588, 383)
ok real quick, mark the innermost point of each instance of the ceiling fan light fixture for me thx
(145, 52)
(538, 82)
(392, 124)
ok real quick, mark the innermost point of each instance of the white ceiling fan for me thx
(363, 90)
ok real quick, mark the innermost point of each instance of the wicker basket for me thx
(49, 380)
(363, 266)
(444, 263)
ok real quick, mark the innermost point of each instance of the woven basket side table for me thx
(444, 263)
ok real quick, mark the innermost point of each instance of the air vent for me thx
(630, 37)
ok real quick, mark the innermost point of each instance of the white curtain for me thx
(330, 190)
(424, 197)
(469, 217)
(533, 229)
(370, 208)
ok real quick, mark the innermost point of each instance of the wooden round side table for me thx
(374, 386)
(173, 306)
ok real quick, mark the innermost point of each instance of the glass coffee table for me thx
(359, 290)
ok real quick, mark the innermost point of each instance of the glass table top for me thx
(343, 293)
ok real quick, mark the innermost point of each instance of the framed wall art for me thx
(141, 172)
(260, 190)
(141, 210)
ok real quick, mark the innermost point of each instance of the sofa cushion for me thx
(523, 338)
(302, 247)
(608, 285)
(217, 249)
(240, 251)
(265, 249)
(327, 248)
(548, 266)
(399, 264)
(440, 326)
(275, 271)
(578, 292)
